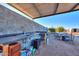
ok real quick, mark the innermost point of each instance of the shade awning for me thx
(35, 10)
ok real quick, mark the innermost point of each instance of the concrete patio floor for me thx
(58, 48)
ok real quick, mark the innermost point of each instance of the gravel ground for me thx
(58, 48)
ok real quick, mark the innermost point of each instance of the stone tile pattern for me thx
(58, 48)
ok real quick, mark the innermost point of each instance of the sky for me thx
(67, 20)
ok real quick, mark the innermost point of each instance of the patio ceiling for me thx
(38, 10)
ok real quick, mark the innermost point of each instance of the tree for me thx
(59, 29)
(51, 29)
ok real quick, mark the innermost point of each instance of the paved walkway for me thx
(58, 48)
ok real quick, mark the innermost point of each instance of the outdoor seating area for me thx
(31, 29)
(26, 45)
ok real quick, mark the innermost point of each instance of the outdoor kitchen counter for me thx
(12, 39)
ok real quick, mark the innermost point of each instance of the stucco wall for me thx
(11, 22)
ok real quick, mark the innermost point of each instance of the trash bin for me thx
(34, 43)
(38, 42)
(1, 53)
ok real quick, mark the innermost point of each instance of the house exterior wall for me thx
(11, 22)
